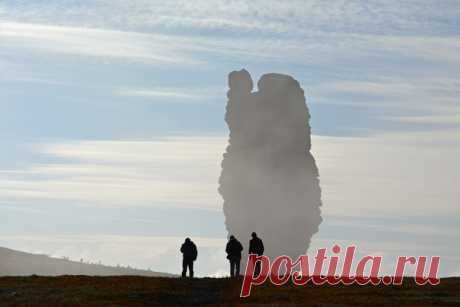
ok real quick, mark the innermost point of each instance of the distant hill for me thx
(16, 263)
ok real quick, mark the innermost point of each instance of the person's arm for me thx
(195, 250)
(251, 247)
(262, 246)
(182, 249)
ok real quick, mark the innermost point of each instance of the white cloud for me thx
(19, 209)
(431, 119)
(436, 91)
(188, 150)
(158, 94)
(312, 47)
(408, 174)
(150, 48)
(170, 171)
(436, 97)
(258, 15)
(176, 94)
(403, 226)
(386, 175)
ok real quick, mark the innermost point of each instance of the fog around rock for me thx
(269, 180)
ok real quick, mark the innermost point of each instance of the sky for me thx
(112, 123)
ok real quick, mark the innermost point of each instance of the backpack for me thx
(194, 252)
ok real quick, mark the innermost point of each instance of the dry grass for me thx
(153, 291)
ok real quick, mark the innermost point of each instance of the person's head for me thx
(232, 238)
(187, 240)
(254, 235)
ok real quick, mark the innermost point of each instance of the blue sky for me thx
(111, 117)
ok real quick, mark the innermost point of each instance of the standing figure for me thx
(233, 250)
(256, 246)
(189, 255)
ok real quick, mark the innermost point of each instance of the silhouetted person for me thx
(233, 251)
(189, 253)
(256, 246)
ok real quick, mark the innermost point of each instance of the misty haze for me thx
(269, 179)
